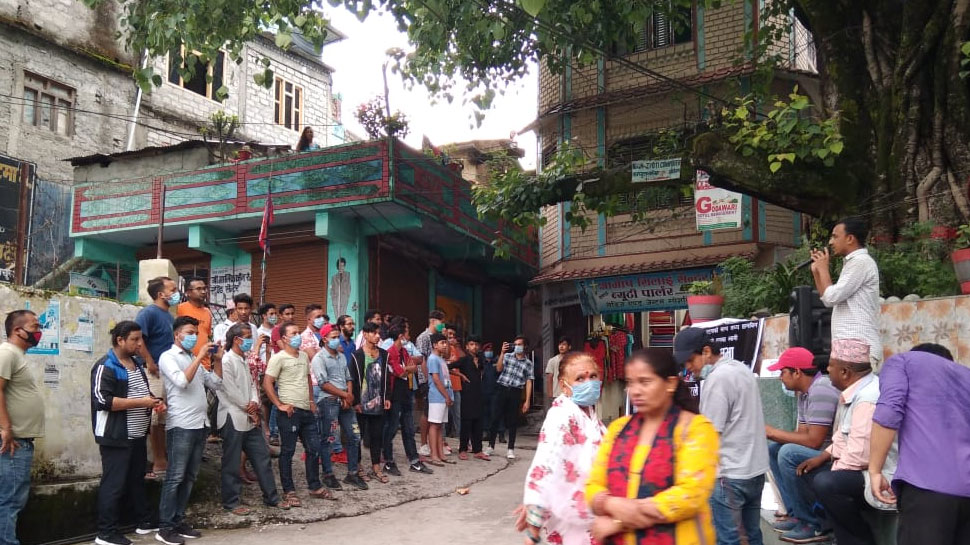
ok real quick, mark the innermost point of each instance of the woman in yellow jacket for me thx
(654, 472)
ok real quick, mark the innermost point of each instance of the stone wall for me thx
(68, 450)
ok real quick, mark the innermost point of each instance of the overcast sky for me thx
(357, 62)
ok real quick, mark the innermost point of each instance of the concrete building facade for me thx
(616, 114)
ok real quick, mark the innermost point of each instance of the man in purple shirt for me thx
(924, 397)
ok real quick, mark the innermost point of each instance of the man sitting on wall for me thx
(817, 402)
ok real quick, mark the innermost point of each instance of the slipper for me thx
(363, 475)
(434, 462)
(462, 455)
(241, 510)
(292, 499)
(380, 477)
(322, 494)
(483, 456)
(447, 461)
(151, 476)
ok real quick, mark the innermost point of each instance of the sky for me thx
(357, 63)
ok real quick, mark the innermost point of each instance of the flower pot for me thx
(704, 308)
(961, 265)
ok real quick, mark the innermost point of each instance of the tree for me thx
(890, 77)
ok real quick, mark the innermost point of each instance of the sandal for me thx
(379, 476)
(292, 499)
(363, 475)
(151, 476)
(434, 462)
(449, 461)
(241, 510)
(462, 455)
(283, 504)
(322, 494)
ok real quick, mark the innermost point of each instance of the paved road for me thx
(483, 517)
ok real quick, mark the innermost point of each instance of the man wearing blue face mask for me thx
(730, 399)
(185, 423)
(238, 419)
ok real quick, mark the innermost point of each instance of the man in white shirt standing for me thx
(854, 299)
(185, 426)
(237, 419)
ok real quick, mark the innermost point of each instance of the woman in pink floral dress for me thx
(570, 436)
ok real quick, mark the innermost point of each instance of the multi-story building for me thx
(615, 113)
(66, 90)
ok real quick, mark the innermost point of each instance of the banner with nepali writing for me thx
(638, 292)
(715, 208)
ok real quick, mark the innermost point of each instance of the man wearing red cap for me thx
(817, 403)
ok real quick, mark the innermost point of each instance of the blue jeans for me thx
(332, 420)
(785, 459)
(454, 414)
(736, 509)
(335, 446)
(274, 429)
(184, 450)
(401, 416)
(14, 488)
(303, 426)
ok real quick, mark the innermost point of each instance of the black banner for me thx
(739, 340)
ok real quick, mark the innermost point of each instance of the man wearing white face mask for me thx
(185, 425)
(731, 401)
(237, 418)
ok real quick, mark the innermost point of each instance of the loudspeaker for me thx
(810, 324)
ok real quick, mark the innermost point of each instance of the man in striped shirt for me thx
(854, 299)
(121, 409)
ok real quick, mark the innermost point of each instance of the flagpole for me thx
(262, 268)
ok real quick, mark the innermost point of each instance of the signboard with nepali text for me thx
(656, 170)
(715, 208)
(638, 292)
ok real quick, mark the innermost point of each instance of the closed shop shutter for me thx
(404, 289)
(295, 274)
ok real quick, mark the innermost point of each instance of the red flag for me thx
(267, 221)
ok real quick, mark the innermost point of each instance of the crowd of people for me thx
(256, 383)
(688, 470)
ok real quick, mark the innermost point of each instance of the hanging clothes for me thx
(618, 343)
(596, 347)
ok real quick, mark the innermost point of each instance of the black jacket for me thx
(357, 370)
(109, 379)
(472, 398)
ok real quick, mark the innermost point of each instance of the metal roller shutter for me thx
(295, 274)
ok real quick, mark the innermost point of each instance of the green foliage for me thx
(963, 236)
(748, 289)
(964, 59)
(715, 286)
(221, 128)
(917, 263)
(162, 27)
(377, 124)
(786, 133)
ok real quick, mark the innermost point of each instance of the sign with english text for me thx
(638, 292)
(715, 208)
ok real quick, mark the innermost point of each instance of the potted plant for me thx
(961, 257)
(705, 300)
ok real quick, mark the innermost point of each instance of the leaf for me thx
(533, 7)
(157, 80)
(774, 166)
(299, 20)
(836, 147)
(965, 48)
(283, 40)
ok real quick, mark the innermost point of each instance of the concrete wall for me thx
(68, 450)
(902, 325)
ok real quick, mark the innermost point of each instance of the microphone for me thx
(803, 264)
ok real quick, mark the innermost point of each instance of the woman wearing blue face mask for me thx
(564, 457)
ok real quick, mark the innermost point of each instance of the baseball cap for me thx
(689, 342)
(794, 358)
(327, 328)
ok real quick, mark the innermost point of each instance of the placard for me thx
(715, 208)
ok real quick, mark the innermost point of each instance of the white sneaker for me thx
(425, 450)
(488, 451)
(510, 455)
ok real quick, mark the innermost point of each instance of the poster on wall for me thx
(638, 292)
(737, 339)
(340, 289)
(82, 338)
(455, 300)
(50, 326)
(655, 170)
(715, 208)
(224, 282)
(82, 284)
(10, 189)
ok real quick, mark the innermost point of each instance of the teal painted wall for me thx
(354, 276)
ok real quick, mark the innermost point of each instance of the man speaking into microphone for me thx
(854, 299)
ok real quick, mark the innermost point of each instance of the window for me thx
(289, 105)
(656, 197)
(660, 30)
(205, 81)
(48, 104)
